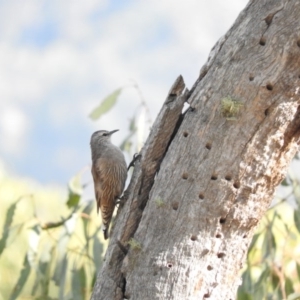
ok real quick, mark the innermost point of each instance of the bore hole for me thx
(228, 177)
(221, 254)
(299, 76)
(262, 41)
(170, 265)
(214, 177)
(185, 134)
(209, 268)
(208, 146)
(185, 176)
(251, 77)
(175, 205)
(266, 112)
(206, 295)
(218, 235)
(244, 236)
(268, 19)
(298, 43)
(154, 273)
(193, 238)
(236, 185)
(201, 196)
(269, 87)
(222, 220)
(204, 252)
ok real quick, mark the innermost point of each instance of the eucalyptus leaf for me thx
(78, 284)
(85, 221)
(97, 253)
(75, 191)
(243, 295)
(62, 279)
(289, 289)
(297, 219)
(73, 199)
(253, 242)
(61, 249)
(21, 280)
(247, 281)
(298, 270)
(285, 182)
(106, 105)
(269, 244)
(7, 223)
(294, 296)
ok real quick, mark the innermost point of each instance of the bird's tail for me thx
(105, 233)
(106, 214)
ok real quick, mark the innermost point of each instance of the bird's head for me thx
(102, 136)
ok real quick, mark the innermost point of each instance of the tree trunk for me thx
(207, 177)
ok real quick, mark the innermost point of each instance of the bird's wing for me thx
(96, 172)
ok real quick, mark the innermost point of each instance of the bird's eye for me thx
(105, 134)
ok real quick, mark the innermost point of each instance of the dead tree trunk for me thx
(206, 177)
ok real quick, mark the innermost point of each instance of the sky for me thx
(59, 59)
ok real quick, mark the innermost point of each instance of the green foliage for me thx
(106, 105)
(24, 274)
(230, 108)
(8, 221)
(159, 202)
(134, 244)
(273, 265)
(52, 259)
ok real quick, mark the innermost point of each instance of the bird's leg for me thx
(121, 200)
(136, 156)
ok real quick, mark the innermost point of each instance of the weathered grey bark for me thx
(204, 182)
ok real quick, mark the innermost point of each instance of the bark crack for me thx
(137, 194)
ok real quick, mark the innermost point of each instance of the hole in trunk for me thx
(193, 238)
(214, 177)
(236, 185)
(222, 220)
(208, 146)
(262, 41)
(175, 205)
(228, 177)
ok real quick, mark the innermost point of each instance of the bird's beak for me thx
(113, 131)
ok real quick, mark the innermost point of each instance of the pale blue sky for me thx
(58, 59)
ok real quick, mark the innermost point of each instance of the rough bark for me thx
(204, 180)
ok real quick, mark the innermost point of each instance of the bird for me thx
(109, 171)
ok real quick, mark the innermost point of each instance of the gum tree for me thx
(207, 176)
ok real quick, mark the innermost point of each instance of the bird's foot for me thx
(136, 156)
